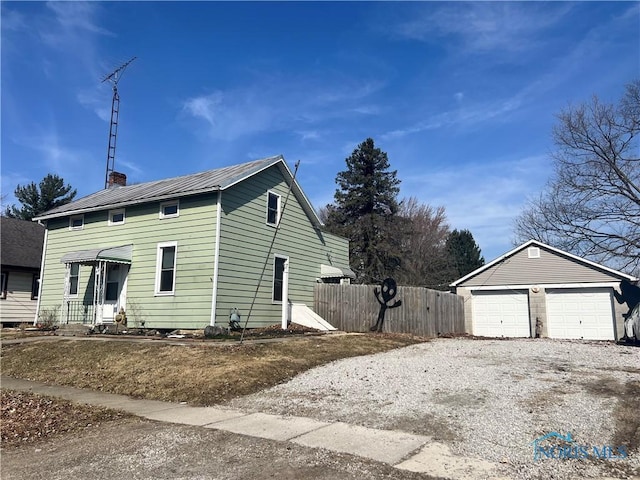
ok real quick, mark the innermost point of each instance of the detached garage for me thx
(536, 290)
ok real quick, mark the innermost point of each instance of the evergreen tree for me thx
(464, 252)
(51, 193)
(365, 211)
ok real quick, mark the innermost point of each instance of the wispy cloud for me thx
(73, 19)
(279, 104)
(461, 117)
(96, 100)
(13, 20)
(483, 26)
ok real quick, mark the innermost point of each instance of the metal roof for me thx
(332, 271)
(203, 182)
(120, 254)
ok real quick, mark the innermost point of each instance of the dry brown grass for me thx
(200, 374)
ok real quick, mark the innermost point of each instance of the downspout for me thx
(44, 254)
(216, 260)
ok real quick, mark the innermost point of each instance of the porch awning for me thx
(332, 271)
(121, 254)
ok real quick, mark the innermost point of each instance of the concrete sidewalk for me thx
(403, 450)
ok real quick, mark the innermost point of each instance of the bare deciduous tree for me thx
(425, 260)
(591, 205)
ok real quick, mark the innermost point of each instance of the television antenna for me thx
(113, 78)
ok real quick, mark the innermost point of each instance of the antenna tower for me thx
(113, 78)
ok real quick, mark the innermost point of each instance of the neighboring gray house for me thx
(538, 290)
(187, 251)
(20, 255)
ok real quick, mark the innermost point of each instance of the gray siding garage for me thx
(537, 290)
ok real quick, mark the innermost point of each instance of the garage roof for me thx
(534, 262)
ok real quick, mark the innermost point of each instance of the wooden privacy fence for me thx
(424, 312)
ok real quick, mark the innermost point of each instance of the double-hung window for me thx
(74, 279)
(273, 209)
(166, 268)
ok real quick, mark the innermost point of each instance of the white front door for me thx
(114, 291)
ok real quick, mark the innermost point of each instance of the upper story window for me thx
(116, 217)
(169, 209)
(76, 222)
(273, 209)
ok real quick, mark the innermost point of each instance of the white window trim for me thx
(161, 214)
(69, 294)
(75, 217)
(273, 279)
(279, 208)
(159, 248)
(116, 212)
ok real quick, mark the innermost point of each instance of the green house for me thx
(189, 251)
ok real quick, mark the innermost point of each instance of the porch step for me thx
(73, 330)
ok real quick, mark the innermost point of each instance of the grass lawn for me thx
(199, 374)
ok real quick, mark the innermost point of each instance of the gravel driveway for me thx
(487, 399)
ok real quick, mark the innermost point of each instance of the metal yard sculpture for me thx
(388, 290)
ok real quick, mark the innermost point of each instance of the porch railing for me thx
(77, 312)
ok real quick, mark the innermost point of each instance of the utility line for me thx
(273, 239)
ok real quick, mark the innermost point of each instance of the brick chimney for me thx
(117, 178)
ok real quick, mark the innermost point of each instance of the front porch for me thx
(98, 300)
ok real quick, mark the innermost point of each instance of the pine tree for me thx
(51, 193)
(365, 211)
(464, 252)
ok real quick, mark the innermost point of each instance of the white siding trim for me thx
(545, 285)
(44, 254)
(216, 260)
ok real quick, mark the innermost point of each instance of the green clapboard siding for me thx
(244, 251)
(193, 230)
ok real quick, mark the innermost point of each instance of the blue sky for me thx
(461, 96)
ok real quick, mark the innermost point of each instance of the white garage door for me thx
(584, 313)
(501, 314)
